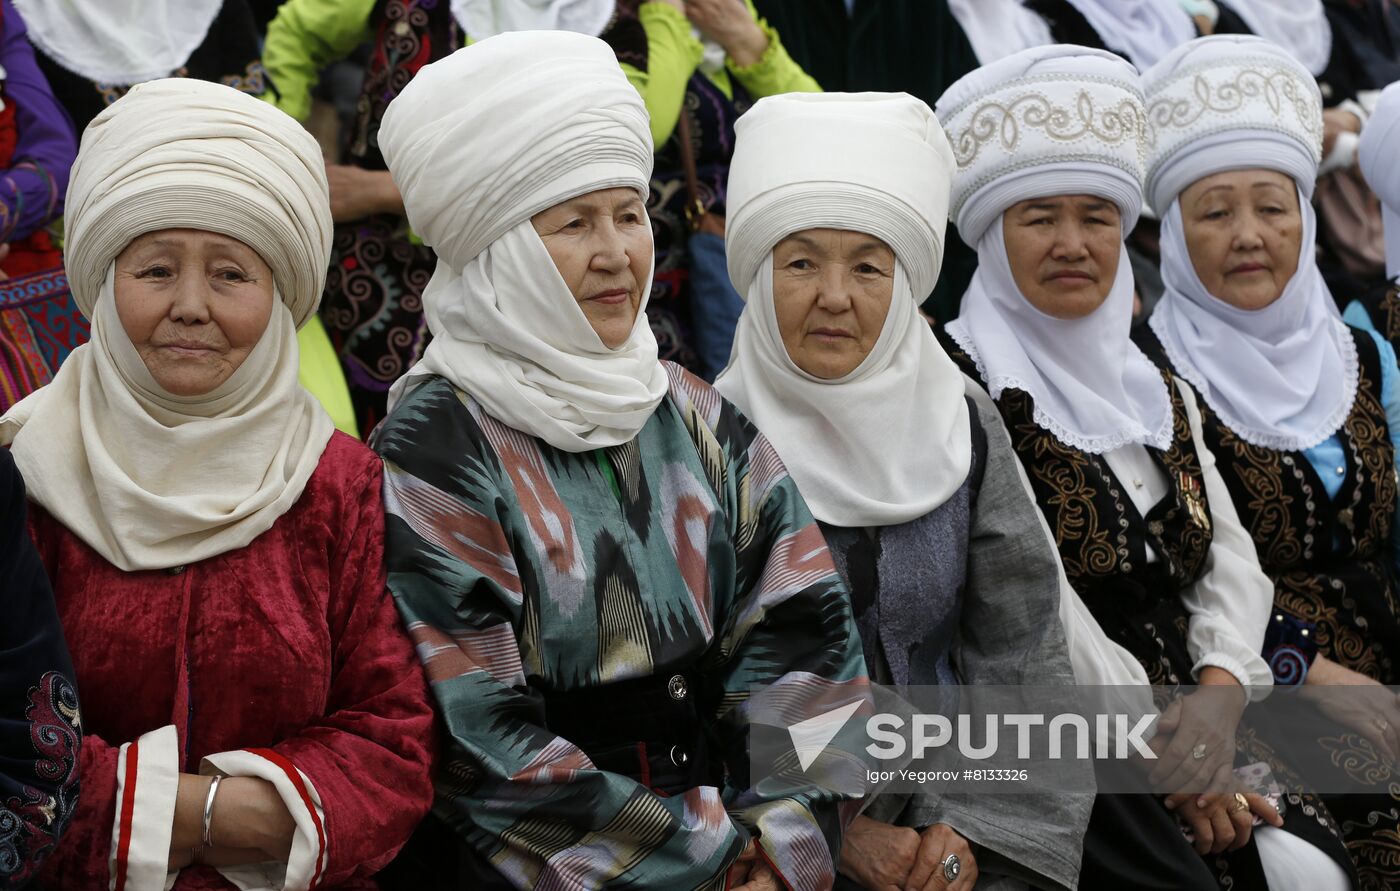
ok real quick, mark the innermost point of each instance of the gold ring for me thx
(1241, 803)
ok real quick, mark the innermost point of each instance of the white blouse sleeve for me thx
(1231, 603)
(1097, 660)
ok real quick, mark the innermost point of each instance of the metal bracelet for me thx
(209, 811)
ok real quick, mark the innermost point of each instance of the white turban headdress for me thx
(1282, 377)
(1051, 121)
(147, 479)
(1378, 155)
(890, 441)
(550, 117)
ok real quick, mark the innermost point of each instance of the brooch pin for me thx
(1190, 490)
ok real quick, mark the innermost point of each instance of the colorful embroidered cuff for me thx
(309, 856)
(1290, 648)
(148, 779)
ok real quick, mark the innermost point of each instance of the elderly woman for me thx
(952, 580)
(1300, 409)
(1049, 150)
(597, 555)
(699, 65)
(254, 714)
(39, 724)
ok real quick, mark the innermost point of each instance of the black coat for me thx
(39, 725)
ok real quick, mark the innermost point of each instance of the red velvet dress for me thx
(291, 644)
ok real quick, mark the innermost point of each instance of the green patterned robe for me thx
(520, 567)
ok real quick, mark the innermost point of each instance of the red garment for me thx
(291, 643)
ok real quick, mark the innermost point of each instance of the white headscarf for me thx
(147, 479)
(1144, 29)
(1059, 120)
(999, 28)
(119, 42)
(1299, 26)
(481, 19)
(505, 327)
(1282, 377)
(1377, 154)
(890, 441)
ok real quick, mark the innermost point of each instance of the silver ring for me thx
(1199, 752)
(952, 865)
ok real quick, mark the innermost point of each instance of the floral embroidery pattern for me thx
(1005, 123)
(1328, 557)
(1192, 96)
(30, 821)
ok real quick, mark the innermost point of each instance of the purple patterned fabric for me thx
(33, 189)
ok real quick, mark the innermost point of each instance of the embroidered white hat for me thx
(1051, 120)
(1229, 103)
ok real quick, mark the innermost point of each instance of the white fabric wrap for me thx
(890, 441)
(119, 42)
(1299, 26)
(147, 479)
(1281, 377)
(552, 117)
(1053, 120)
(1057, 120)
(1378, 155)
(998, 28)
(1229, 103)
(182, 153)
(481, 19)
(792, 170)
(1144, 29)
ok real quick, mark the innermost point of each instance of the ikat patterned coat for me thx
(521, 568)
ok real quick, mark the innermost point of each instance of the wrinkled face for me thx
(194, 304)
(1064, 252)
(831, 292)
(601, 244)
(1244, 232)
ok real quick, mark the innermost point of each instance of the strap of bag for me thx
(694, 207)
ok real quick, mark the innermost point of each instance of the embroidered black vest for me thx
(1383, 306)
(1102, 537)
(1329, 558)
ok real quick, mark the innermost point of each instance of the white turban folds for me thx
(479, 142)
(1051, 121)
(793, 168)
(184, 153)
(147, 479)
(486, 138)
(890, 441)
(1281, 377)
(1378, 155)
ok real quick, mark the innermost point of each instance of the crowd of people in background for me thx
(426, 421)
